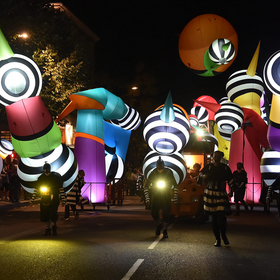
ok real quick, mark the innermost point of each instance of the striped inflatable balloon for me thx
(201, 113)
(62, 161)
(114, 167)
(20, 78)
(225, 134)
(230, 117)
(130, 121)
(239, 83)
(193, 120)
(223, 100)
(271, 73)
(221, 51)
(166, 138)
(175, 162)
(270, 166)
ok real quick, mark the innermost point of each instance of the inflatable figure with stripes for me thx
(94, 106)
(167, 131)
(35, 136)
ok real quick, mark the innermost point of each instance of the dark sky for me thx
(148, 31)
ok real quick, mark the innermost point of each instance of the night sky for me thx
(148, 31)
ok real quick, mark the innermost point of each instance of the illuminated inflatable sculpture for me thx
(208, 45)
(272, 81)
(245, 87)
(35, 136)
(94, 106)
(201, 113)
(166, 132)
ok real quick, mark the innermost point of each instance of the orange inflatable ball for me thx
(196, 39)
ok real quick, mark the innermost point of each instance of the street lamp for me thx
(23, 35)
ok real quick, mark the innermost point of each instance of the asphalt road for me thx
(121, 244)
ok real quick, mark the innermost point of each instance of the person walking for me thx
(73, 196)
(159, 185)
(215, 175)
(50, 190)
(240, 176)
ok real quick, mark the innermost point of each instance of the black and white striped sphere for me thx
(270, 166)
(223, 100)
(221, 51)
(166, 138)
(130, 121)
(6, 148)
(239, 83)
(175, 162)
(225, 134)
(230, 117)
(20, 78)
(114, 167)
(271, 73)
(62, 161)
(201, 113)
(193, 120)
(212, 139)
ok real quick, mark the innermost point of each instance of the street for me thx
(120, 243)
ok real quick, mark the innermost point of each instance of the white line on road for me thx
(153, 245)
(133, 269)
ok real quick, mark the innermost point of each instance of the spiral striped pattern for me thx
(166, 138)
(193, 120)
(130, 121)
(270, 166)
(220, 53)
(225, 134)
(20, 78)
(174, 162)
(201, 113)
(240, 83)
(230, 117)
(271, 73)
(114, 167)
(223, 100)
(62, 161)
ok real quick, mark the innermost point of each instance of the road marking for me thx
(153, 245)
(133, 269)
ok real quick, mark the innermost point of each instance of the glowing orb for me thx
(20, 78)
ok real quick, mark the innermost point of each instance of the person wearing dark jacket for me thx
(215, 175)
(240, 176)
(159, 185)
(50, 190)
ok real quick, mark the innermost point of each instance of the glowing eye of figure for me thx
(160, 184)
(44, 189)
(15, 82)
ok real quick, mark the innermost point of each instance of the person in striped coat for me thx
(49, 188)
(73, 196)
(215, 175)
(159, 185)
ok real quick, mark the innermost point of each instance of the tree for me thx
(54, 43)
